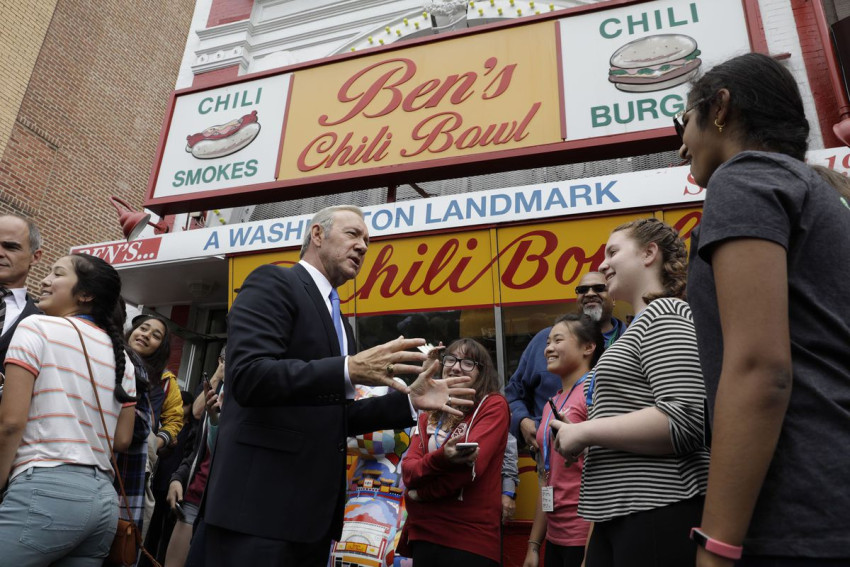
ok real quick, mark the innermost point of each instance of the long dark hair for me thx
(764, 103)
(155, 363)
(97, 279)
(587, 331)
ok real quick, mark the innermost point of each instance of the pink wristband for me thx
(716, 547)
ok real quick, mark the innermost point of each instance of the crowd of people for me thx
(706, 432)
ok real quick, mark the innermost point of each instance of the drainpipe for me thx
(842, 127)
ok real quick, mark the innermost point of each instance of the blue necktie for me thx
(337, 317)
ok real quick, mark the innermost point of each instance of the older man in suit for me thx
(277, 481)
(20, 248)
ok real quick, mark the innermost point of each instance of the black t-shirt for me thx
(804, 505)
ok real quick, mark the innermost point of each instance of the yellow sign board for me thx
(511, 265)
(544, 262)
(447, 99)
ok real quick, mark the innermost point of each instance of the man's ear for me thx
(36, 256)
(316, 235)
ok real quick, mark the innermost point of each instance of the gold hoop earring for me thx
(719, 126)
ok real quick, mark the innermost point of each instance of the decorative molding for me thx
(307, 31)
(221, 59)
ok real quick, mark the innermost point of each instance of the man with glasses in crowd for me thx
(531, 385)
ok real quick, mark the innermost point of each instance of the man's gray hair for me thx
(34, 234)
(325, 219)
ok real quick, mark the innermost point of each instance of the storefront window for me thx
(433, 326)
(521, 322)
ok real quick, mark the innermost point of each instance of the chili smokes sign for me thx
(223, 138)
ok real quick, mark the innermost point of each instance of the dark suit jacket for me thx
(6, 338)
(278, 469)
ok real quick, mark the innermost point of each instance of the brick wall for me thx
(90, 120)
(816, 69)
(211, 78)
(226, 11)
(24, 26)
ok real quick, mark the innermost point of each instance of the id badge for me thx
(547, 498)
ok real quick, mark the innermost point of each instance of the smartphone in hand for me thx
(555, 415)
(467, 446)
(178, 511)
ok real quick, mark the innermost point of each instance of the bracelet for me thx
(534, 542)
(716, 547)
(509, 494)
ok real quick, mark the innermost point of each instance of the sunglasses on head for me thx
(597, 288)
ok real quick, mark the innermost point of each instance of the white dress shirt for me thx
(15, 303)
(325, 289)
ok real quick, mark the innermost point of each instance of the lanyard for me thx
(613, 336)
(437, 432)
(546, 435)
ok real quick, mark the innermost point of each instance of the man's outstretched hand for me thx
(429, 393)
(377, 365)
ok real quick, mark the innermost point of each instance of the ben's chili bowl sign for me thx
(468, 96)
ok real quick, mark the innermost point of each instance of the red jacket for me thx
(460, 506)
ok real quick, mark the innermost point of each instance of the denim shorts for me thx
(190, 512)
(65, 515)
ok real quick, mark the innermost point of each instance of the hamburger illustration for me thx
(654, 63)
(224, 139)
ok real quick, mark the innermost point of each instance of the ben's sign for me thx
(443, 100)
(586, 83)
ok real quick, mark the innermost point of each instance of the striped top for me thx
(64, 425)
(654, 364)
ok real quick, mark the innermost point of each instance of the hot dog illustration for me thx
(654, 63)
(224, 139)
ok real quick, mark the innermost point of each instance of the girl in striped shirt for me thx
(60, 502)
(645, 473)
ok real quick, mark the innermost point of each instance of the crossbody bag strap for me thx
(105, 429)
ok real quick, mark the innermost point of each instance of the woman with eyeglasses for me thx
(452, 470)
(768, 284)
(646, 468)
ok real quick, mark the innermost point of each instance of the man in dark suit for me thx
(276, 488)
(20, 248)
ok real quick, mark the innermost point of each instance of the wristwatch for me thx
(716, 547)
